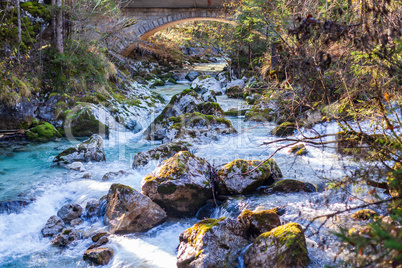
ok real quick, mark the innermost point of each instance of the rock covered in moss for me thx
(231, 180)
(211, 243)
(180, 184)
(53, 226)
(262, 111)
(99, 256)
(298, 149)
(364, 214)
(160, 153)
(69, 212)
(89, 150)
(84, 122)
(203, 84)
(181, 103)
(258, 222)
(197, 125)
(129, 211)
(210, 108)
(284, 129)
(209, 96)
(65, 238)
(44, 132)
(291, 186)
(235, 92)
(284, 246)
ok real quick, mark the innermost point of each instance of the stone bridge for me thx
(156, 15)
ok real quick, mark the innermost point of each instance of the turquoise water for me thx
(27, 171)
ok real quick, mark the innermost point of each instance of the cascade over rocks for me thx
(230, 180)
(180, 184)
(160, 153)
(129, 211)
(92, 208)
(53, 226)
(285, 246)
(89, 150)
(212, 243)
(258, 222)
(206, 83)
(69, 212)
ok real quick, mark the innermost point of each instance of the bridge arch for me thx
(153, 23)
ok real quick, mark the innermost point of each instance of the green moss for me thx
(236, 113)
(196, 232)
(298, 149)
(43, 133)
(85, 124)
(364, 214)
(284, 129)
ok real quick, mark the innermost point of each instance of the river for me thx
(27, 171)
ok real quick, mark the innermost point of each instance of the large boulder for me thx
(291, 186)
(231, 181)
(129, 211)
(54, 225)
(89, 150)
(205, 83)
(196, 125)
(212, 243)
(284, 246)
(181, 103)
(159, 153)
(12, 117)
(70, 212)
(210, 108)
(98, 256)
(84, 121)
(43, 133)
(258, 222)
(180, 185)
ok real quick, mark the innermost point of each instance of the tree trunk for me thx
(59, 27)
(17, 5)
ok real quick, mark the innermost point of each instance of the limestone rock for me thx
(211, 243)
(54, 225)
(291, 186)
(205, 83)
(258, 222)
(180, 184)
(160, 153)
(69, 212)
(111, 175)
(99, 256)
(285, 246)
(79, 166)
(129, 211)
(230, 180)
(89, 150)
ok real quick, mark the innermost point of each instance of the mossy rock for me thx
(83, 123)
(243, 177)
(235, 92)
(291, 186)
(258, 222)
(180, 185)
(284, 246)
(298, 149)
(236, 112)
(44, 132)
(364, 214)
(284, 129)
(210, 108)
